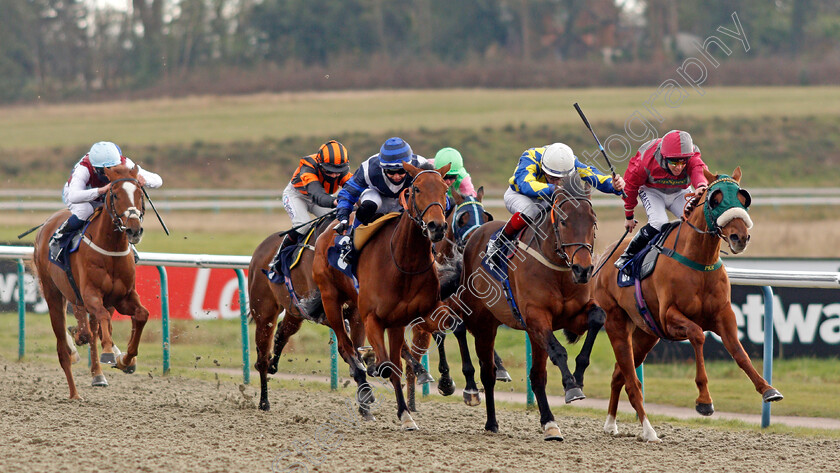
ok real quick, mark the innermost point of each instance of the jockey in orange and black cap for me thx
(314, 184)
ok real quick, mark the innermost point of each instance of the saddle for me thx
(70, 245)
(353, 244)
(287, 258)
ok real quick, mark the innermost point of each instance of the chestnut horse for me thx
(267, 299)
(548, 275)
(685, 297)
(103, 269)
(398, 283)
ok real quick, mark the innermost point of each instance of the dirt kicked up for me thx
(150, 423)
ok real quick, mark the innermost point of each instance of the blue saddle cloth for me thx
(499, 273)
(348, 265)
(281, 267)
(69, 245)
(633, 269)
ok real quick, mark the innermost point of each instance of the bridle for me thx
(111, 207)
(559, 245)
(417, 219)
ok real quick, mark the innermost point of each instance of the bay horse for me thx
(267, 299)
(398, 282)
(103, 269)
(684, 296)
(549, 275)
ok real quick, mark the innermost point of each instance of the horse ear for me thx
(134, 172)
(110, 173)
(411, 170)
(457, 197)
(444, 169)
(479, 194)
(488, 215)
(709, 176)
(736, 174)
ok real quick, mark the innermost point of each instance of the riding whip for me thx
(626, 231)
(601, 147)
(307, 223)
(156, 212)
(30, 231)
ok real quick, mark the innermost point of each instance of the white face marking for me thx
(131, 211)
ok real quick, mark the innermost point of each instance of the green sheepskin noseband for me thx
(730, 189)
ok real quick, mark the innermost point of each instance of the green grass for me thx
(254, 117)
(211, 349)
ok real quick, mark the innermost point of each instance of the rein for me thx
(111, 206)
(559, 245)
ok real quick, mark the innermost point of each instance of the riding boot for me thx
(291, 238)
(497, 248)
(637, 244)
(65, 231)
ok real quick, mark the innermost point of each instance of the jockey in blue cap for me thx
(377, 184)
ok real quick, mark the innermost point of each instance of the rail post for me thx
(243, 318)
(333, 361)
(164, 317)
(768, 351)
(529, 395)
(21, 311)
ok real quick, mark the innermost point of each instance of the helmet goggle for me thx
(677, 161)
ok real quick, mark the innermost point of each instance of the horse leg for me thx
(446, 386)
(264, 312)
(679, 326)
(376, 336)
(106, 331)
(643, 343)
(410, 379)
(127, 361)
(420, 342)
(396, 339)
(63, 346)
(619, 329)
(539, 376)
(95, 368)
(289, 326)
(728, 332)
(471, 395)
(335, 320)
(596, 317)
(539, 330)
(82, 331)
(484, 342)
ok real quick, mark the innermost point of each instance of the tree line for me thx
(58, 49)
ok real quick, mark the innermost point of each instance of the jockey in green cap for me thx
(457, 177)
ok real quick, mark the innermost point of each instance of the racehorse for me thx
(267, 299)
(687, 294)
(548, 274)
(103, 271)
(398, 283)
(467, 216)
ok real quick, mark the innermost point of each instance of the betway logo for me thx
(31, 295)
(802, 322)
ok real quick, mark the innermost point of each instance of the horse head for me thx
(124, 202)
(469, 214)
(573, 221)
(725, 209)
(425, 200)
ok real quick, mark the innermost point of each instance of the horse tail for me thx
(312, 307)
(571, 337)
(450, 276)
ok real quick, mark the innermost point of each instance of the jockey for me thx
(377, 184)
(313, 186)
(539, 172)
(84, 191)
(457, 177)
(659, 174)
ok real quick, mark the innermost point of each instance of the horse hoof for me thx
(99, 381)
(552, 432)
(407, 422)
(574, 394)
(367, 416)
(108, 358)
(125, 369)
(772, 395)
(265, 406)
(491, 428)
(503, 376)
(705, 409)
(472, 398)
(446, 387)
(425, 378)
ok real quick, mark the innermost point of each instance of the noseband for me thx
(559, 245)
(111, 207)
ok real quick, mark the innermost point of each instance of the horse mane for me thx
(575, 187)
(692, 201)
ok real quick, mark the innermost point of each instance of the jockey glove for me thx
(341, 227)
